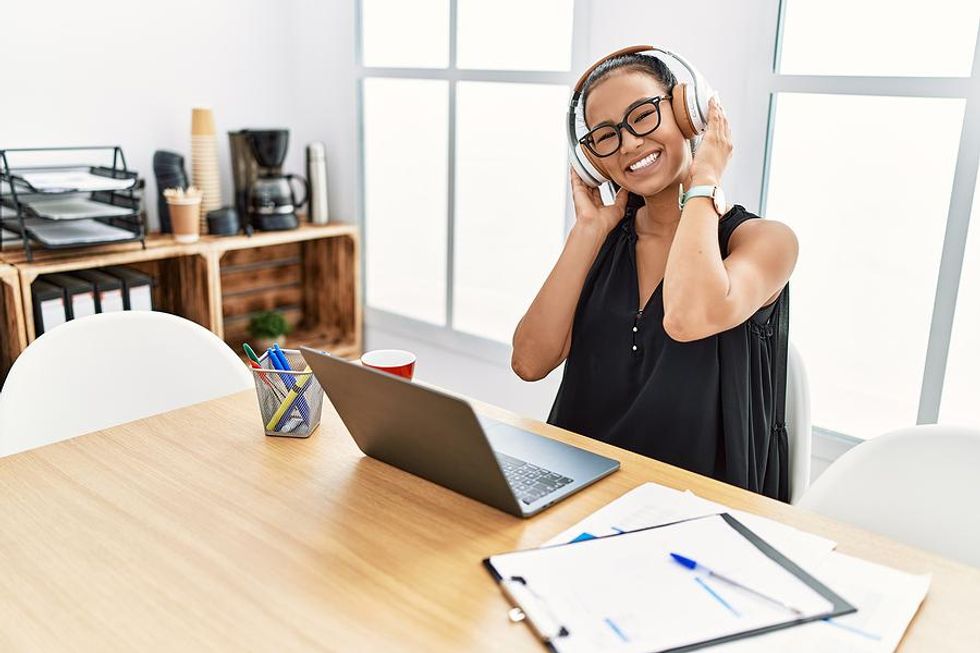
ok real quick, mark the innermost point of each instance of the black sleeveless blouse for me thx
(706, 405)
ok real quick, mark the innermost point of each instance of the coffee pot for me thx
(267, 197)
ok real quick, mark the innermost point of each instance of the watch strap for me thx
(698, 191)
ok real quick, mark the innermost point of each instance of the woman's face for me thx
(608, 102)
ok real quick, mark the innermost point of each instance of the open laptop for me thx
(440, 438)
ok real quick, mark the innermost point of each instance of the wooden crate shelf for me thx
(311, 274)
(12, 337)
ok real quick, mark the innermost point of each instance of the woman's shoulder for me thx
(740, 226)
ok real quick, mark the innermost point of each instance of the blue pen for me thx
(280, 357)
(696, 566)
(273, 357)
(280, 362)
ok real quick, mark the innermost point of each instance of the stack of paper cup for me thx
(204, 162)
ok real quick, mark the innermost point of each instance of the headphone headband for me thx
(633, 49)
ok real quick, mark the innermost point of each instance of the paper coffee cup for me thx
(185, 218)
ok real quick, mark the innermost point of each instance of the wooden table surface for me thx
(191, 530)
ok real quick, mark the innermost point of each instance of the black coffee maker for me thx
(264, 194)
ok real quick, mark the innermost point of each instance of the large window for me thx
(463, 160)
(872, 159)
(961, 391)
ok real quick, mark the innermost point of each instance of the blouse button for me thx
(634, 347)
(635, 329)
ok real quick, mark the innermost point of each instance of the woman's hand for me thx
(715, 150)
(589, 210)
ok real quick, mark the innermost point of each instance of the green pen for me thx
(249, 352)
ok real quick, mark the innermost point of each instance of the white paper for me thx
(626, 594)
(75, 208)
(60, 180)
(651, 504)
(886, 600)
(71, 232)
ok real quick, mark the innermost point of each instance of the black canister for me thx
(223, 221)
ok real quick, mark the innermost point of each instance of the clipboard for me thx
(573, 595)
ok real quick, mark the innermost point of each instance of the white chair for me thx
(798, 428)
(106, 369)
(919, 485)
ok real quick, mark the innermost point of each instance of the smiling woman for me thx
(663, 310)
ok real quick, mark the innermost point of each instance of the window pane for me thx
(961, 391)
(514, 34)
(406, 145)
(879, 37)
(400, 34)
(511, 174)
(865, 183)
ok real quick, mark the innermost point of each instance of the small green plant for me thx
(268, 325)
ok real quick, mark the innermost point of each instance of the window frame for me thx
(447, 336)
(961, 195)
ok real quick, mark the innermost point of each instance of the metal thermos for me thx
(316, 172)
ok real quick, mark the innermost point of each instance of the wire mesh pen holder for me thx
(290, 400)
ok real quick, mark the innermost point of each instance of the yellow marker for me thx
(287, 403)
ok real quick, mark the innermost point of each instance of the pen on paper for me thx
(688, 563)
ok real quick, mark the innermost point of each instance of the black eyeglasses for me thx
(642, 119)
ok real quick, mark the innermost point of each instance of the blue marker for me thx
(696, 566)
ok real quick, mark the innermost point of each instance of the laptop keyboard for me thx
(528, 481)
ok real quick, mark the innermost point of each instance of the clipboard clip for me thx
(531, 608)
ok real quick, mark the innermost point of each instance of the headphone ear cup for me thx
(682, 115)
(588, 170)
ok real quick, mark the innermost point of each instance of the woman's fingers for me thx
(581, 194)
(718, 125)
(726, 126)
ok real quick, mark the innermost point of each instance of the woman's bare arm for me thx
(543, 336)
(703, 293)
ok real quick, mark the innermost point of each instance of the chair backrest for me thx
(798, 428)
(919, 485)
(106, 369)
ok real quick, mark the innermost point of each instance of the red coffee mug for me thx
(393, 361)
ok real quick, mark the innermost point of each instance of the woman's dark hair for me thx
(642, 63)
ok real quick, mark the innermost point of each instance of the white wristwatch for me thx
(716, 194)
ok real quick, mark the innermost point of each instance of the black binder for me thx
(47, 316)
(79, 295)
(137, 288)
(108, 290)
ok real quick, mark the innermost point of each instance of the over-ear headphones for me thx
(690, 106)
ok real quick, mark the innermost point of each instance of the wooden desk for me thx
(191, 530)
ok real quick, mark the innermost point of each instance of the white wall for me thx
(320, 60)
(115, 72)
